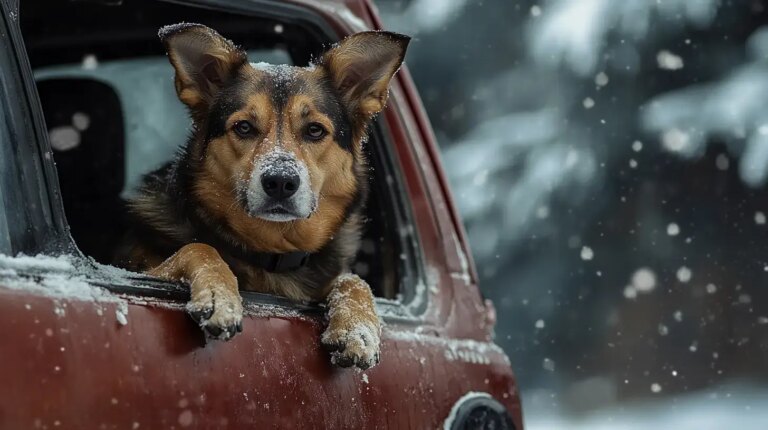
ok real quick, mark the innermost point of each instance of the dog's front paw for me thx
(356, 345)
(217, 308)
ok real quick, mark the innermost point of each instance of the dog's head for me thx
(283, 142)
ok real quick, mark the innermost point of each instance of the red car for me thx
(88, 346)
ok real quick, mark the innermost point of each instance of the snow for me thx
(466, 350)
(81, 121)
(759, 218)
(730, 110)
(601, 79)
(586, 253)
(64, 138)
(58, 277)
(684, 274)
(38, 262)
(548, 364)
(554, 39)
(186, 418)
(121, 313)
(62, 278)
(281, 162)
(723, 407)
(669, 61)
(644, 280)
(673, 229)
(90, 62)
(448, 423)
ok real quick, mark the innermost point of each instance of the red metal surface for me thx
(82, 369)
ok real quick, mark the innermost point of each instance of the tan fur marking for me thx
(353, 322)
(230, 160)
(213, 286)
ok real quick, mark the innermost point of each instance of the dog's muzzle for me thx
(279, 189)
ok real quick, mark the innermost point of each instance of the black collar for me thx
(277, 263)
(271, 262)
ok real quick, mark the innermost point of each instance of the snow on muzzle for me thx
(279, 188)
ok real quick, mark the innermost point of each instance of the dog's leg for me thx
(354, 330)
(215, 301)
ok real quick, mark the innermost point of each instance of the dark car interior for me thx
(91, 156)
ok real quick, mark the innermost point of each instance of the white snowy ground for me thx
(738, 408)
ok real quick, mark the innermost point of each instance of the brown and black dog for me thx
(267, 193)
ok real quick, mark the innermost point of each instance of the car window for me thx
(113, 115)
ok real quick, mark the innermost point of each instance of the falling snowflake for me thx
(601, 79)
(548, 364)
(759, 218)
(644, 280)
(669, 61)
(722, 162)
(587, 253)
(684, 274)
(673, 229)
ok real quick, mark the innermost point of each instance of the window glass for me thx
(610, 160)
(113, 115)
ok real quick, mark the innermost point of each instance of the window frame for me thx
(411, 270)
(46, 227)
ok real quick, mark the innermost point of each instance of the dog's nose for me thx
(280, 185)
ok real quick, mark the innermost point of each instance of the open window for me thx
(112, 114)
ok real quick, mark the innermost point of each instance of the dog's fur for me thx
(196, 217)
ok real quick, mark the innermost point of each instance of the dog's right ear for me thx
(203, 59)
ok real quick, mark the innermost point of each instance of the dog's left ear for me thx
(203, 59)
(361, 67)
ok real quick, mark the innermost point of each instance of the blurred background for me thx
(610, 161)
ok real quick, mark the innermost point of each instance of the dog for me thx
(268, 192)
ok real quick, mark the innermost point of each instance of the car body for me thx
(90, 346)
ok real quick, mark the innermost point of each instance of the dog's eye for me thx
(315, 131)
(244, 128)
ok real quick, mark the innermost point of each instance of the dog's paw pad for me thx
(357, 346)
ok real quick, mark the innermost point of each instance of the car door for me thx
(92, 346)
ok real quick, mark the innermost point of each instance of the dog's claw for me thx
(352, 347)
(213, 331)
(218, 312)
(201, 315)
(344, 361)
